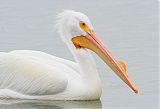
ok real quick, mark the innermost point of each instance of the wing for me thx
(31, 76)
(45, 57)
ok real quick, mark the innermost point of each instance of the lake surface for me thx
(129, 28)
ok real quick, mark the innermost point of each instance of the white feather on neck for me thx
(82, 56)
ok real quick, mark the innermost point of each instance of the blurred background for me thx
(129, 28)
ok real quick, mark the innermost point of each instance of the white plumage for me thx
(27, 74)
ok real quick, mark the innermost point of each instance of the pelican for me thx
(35, 75)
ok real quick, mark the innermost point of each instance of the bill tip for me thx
(136, 91)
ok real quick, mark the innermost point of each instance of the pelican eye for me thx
(83, 26)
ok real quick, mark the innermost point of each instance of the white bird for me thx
(27, 74)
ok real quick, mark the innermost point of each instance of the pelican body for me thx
(27, 74)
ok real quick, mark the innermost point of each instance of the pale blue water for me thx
(129, 28)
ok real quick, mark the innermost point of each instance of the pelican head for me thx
(77, 28)
(72, 23)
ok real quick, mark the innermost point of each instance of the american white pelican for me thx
(26, 74)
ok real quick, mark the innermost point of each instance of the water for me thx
(15, 104)
(128, 28)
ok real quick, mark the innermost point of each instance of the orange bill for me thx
(93, 43)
